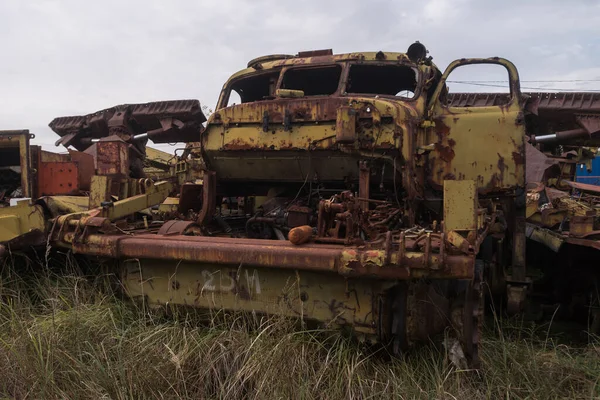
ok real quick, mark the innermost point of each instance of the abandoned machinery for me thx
(350, 190)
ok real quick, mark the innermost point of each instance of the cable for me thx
(307, 174)
(528, 87)
(528, 81)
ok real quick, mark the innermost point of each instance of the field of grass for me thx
(64, 335)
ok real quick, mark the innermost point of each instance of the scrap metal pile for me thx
(563, 216)
(348, 190)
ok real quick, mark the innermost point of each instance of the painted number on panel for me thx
(222, 282)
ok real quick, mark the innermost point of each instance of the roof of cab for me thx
(284, 60)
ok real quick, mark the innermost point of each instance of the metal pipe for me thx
(140, 136)
(96, 140)
(344, 260)
(545, 138)
(563, 136)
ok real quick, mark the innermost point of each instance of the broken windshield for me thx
(371, 79)
(313, 81)
(391, 80)
(253, 88)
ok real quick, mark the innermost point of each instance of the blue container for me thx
(591, 177)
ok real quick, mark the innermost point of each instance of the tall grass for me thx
(65, 335)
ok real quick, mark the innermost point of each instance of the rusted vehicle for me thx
(349, 190)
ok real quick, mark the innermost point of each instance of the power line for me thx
(529, 81)
(526, 87)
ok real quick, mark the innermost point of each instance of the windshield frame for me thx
(228, 87)
(341, 79)
(414, 67)
(346, 65)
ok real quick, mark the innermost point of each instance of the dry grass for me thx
(68, 336)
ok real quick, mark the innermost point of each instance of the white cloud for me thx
(442, 11)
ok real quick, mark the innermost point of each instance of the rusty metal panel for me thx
(460, 206)
(544, 101)
(539, 165)
(184, 110)
(130, 204)
(297, 128)
(481, 143)
(298, 216)
(56, 178)
(584, 187)
(553, 116)
(112, 158)
(60, 205)
(100, 190)
(170, 205)
(163, 121)
(421, 310)
(572, 101)
(277, 291)
(85, 166)
(550, 239)
(50, 177)
(20, 219)
(47, 156)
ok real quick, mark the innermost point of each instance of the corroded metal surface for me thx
(20, 220)
(164, 121)
(364, 305)
(58, 178)
(584, 187)
(495, 156)
(345, 261)
(559, 117)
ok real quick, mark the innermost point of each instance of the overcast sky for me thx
(70, 57)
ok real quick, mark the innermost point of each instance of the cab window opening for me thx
(477, 78)
(253, 88)
(390, 80)
(318, 81)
